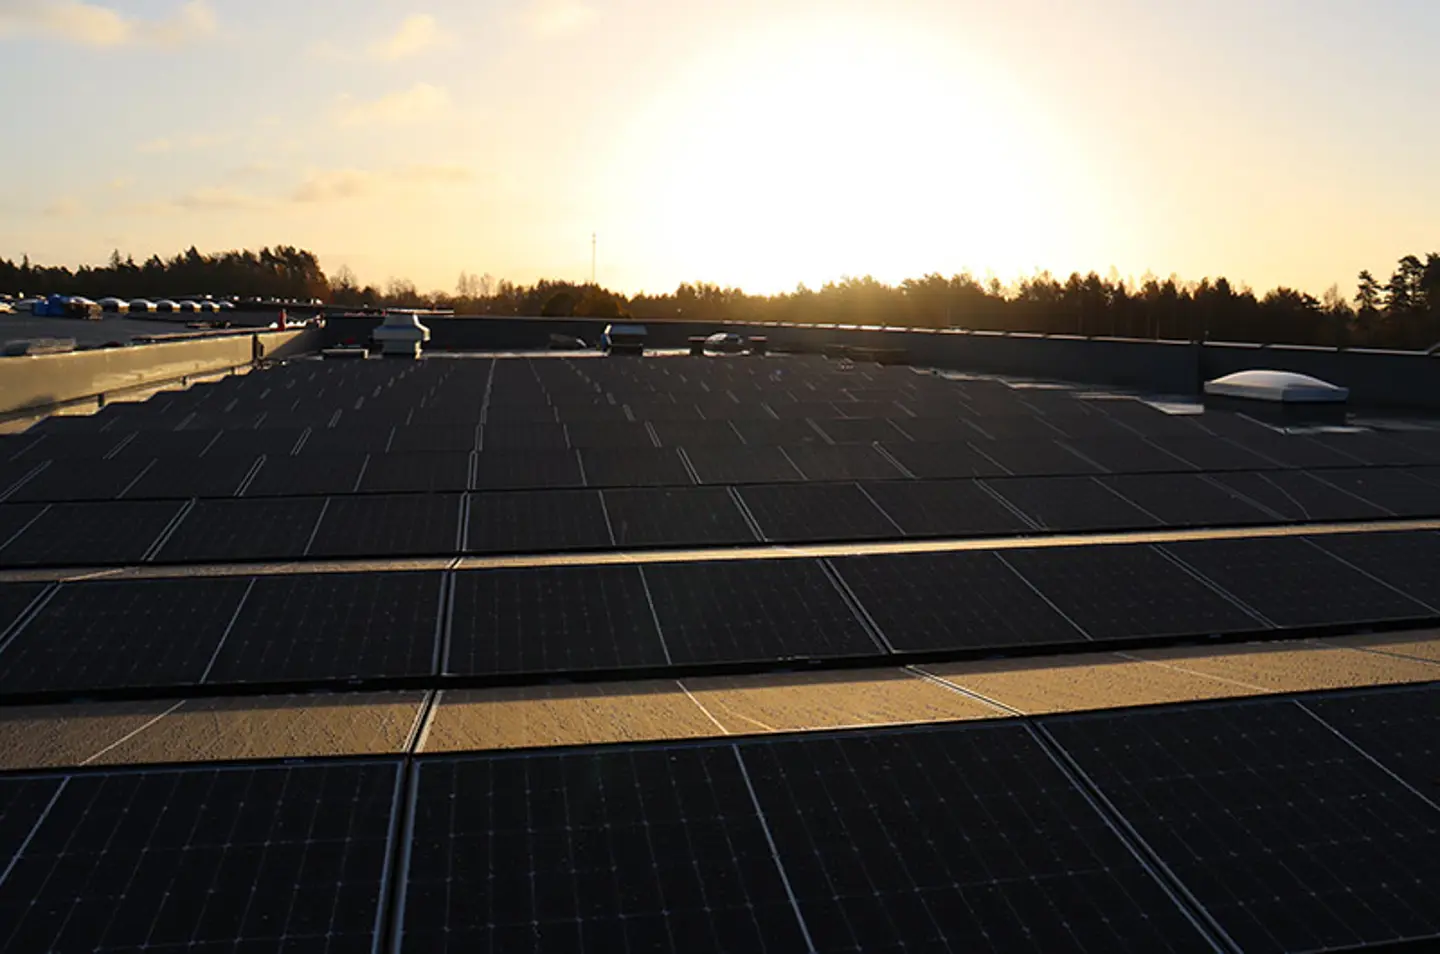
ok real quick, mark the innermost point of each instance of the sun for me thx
(816, 151)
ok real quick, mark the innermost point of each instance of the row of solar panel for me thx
(143, 634)
(1260, 827)
(266, 526)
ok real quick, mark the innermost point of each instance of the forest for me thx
(1402, 312)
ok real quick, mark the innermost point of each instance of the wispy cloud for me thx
(222, 198)
(419, 103)
(98, 25)
(337, 185)
(552, 17)
(415, 35)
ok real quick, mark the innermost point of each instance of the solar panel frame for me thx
(1397, 727)
(1406, 561)
(1391, 489)
(65, 481)
(90, 534)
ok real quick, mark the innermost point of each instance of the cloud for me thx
(63, 208)
(415, 35)
(96, 25)
(219, 197)
(338, 185)
(418, 103)
(553, 17)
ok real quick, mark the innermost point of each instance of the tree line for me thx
(1403, 312)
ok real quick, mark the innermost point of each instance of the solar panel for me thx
(621, 850)
(307, 474)
(664, 412)
(1187, 500)
(536, 522)
(526, 437)
(686, 516)
(277, 858)
(419, 472)
(388, 525)
(1127, 455)
(730, 611)
(433, 438)
(741, 465)
(861, 431)
(82, 445)
(1015, 427)
(121, 634)
(72, 480)
(609, 435)
(943, 460)
(956, 839)
(1071, 503)
(15, 599)
(332, 626)
(768, 433)
(841, 462)
(558, 619)
(351, 439)
(815, 410)
(219, 530)
(583, 415)
(1394, 490)
(1213, 453)
(1293, 450)
(814, 512)
(1036, 457)
(1288, 837)
(634, 467)
(696, 434)
(538, 413)
(23, 802)
(92, 534)
(1298, 496)
(148, 444)
(1292, 583)
(931, 601)
(1119, 592)
(1407, 561)
(185, 477)
(518, 470)
(276, 441)
(944, 508)
(1399, 728)
(1371, 448)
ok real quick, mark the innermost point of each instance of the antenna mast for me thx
(592, 258)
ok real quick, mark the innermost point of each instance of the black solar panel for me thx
(814, 512)
(347, 439)
(940, 430)
(634, 467)
(748, 610)
(148, 444)
(75, 480)
(333, 626)
(628, 850)
(686, 516)
(841, 462)
(283, 858)
(943, 508)
(904, 842)
(741, 465)
(385, 526)
(15, 599)
(1118, 592)
(861, 431)
(933, 460)
(765, 433)
(121, 634)
(420, 472)
(1291, 839)
(1371, 448)
(1187, 500)
(1035, 457)
(79, 534)
(1292, 583)
(220, 530)
(81, 445)
(1294, 450)
(519, 470)
(1407, 561)
(552, 620)
(1015, 427)
(1213, 453)
(580, 416)
(1392, 489)
(274, 441)
(609, 434)
(433, 438)
(307, 474)
(1400, 728)
(184, 477)
(536, 522)
(924, 601)
(23, 803)
(527, 437)
(696, 434)
(1299, 496)
(1127, 455)
(1071, 503)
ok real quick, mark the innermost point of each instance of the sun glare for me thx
(813, 153)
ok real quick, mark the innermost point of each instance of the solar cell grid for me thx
(1187, 500)
(1293, 583)
(1296, 495)
(861, 431)
(183, 478)
(842, 462)
(84, 445)
(64, 480)
(347, 439)
(1407, 561)
(433, 438)
(1035, 458)
(1213, 453)
(696, 433)
(220, 530)
(942, 508)
(687, 516)
(1127, 455)
(147, 444)
(307, 474)
(525, 437)
(814, 512)
(1371, 448)
(741, 465)
(277, 858)
(332, 626)
(731, 611)
(1294, 450)
(536, 522)
(1399, 728)
(424, 472)
(551, 620)
(1288, 837)
(638, 850)
(269, 441)
(943, 460)
(384, 525)
(907, 841)
(931, 601)
(23, 801)
(1126, 591)
(1071, 503)
(1394, 490)
(76, 534)
(634, 467)
(938, 429)
(517, 470)
(129, 634)
(15, 599)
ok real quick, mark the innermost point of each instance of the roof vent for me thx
(1284, 387)
(401, 335)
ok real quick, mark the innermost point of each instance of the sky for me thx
(751, 143)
